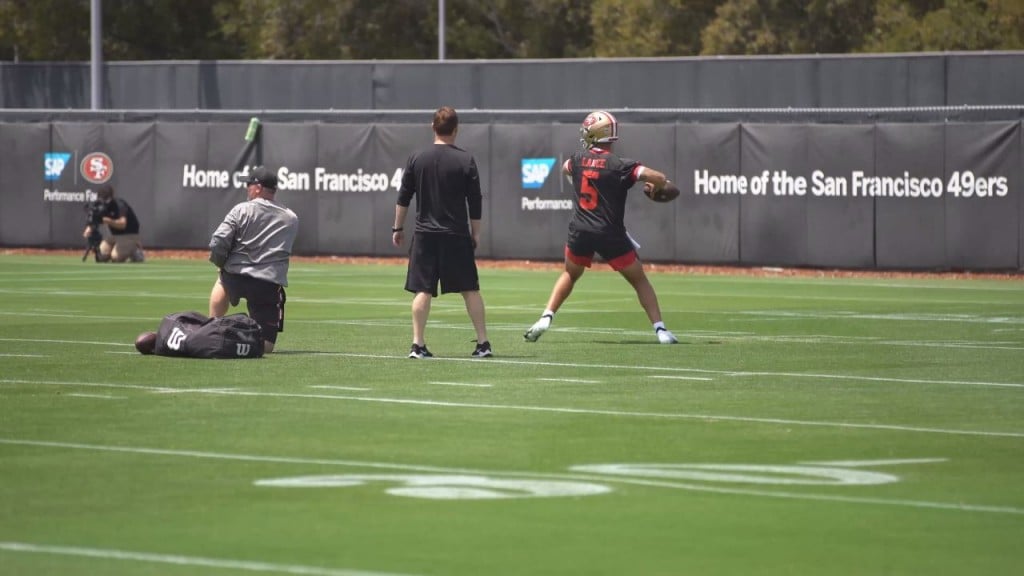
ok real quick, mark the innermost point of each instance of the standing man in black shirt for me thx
(446, 184)
(601, 180)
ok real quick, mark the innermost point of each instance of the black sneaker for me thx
(418, 351)
(483, 350)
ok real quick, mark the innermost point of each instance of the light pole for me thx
(96, 64)
(440, 29)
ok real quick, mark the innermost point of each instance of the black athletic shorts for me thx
(615, 249)
(264, 300)
(441, 257)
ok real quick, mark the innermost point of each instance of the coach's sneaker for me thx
(483, 350)
(418, 351)
(539, 327)
(666, 337)
(138, 255)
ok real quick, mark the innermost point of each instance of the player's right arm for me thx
(222, 239)
(652, 176)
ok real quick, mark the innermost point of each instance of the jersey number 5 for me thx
(588, 193)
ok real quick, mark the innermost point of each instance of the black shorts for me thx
(615, 249)
(264, 300)
(441, 257)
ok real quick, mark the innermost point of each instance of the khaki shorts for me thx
(119, 248)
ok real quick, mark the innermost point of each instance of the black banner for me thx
(892, 196)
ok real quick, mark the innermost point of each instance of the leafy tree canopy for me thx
(59, 30)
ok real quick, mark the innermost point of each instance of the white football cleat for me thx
(539, 327)
(666, 337)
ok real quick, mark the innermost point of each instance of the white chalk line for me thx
(468, 384)
(352, 388)
(506, 327)
(195, 390)
(543, 409)
(959, 506)
(736, 373)
(101, 396)
(55, 341)
(681, 377)
(399, 300)
(570, 380)
(181, 560)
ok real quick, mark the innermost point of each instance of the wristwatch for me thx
(399, 229)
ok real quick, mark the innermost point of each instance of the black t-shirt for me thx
(446, 183)
(600, 182)
(117, 208)
(193, 335)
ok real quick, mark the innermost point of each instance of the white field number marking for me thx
(806, 473)
(445, 487)
(473, 487)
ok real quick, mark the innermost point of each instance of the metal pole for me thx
(96, 64)
(440, 29)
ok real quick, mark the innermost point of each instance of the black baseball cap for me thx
(263, 176)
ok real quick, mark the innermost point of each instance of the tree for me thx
(163, 29)
(137, 30)
(44, 29)
(907, 26)
(788, 27)
(518, 29)
(642, 28)
(407, 29)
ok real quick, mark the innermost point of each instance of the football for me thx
(145, 343)
(667, 193)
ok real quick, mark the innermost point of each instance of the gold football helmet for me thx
(599, 127)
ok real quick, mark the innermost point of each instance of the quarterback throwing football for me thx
(601, 180)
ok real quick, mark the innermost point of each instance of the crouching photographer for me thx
(112, 229)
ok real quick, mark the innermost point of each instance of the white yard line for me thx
(814, 339)
(680, 377)
(734, 373)
(181, 560)
(195, 390)
(860, 298)
(570, 380)
(609, 479)
(545, 409)
(352, 388)
(23, 356)
(635, 368)
(53, 341)
(460, 384)
(102, 396)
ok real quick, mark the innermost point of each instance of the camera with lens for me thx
(94, 218)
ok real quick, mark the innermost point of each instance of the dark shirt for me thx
(445, 181)
(117, 208)
(600, 182)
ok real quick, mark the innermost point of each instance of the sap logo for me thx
(536, 171)
(54, 163)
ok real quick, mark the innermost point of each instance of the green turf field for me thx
(803, 426)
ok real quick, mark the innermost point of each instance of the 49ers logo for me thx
(97, 167)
